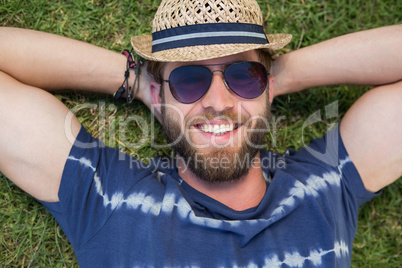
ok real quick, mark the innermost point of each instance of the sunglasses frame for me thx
(224, 79)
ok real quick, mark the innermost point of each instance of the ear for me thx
(271, 88)
(155, 89)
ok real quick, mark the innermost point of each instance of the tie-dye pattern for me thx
(116, 216)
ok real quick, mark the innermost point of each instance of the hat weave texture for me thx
(174, 17)
(175, 13)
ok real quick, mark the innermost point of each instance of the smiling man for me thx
(211, 83)
(221, 129)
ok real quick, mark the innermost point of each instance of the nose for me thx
(218, 96)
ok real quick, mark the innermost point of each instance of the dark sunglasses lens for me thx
(247, 79)
(189, 83)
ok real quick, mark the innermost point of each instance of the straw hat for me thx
(193, 30)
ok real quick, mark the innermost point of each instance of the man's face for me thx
(219, 135)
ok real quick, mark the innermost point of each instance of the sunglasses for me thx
(246, 79)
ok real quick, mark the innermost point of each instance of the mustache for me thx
(225, 116)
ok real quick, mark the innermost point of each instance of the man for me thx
(115, 214)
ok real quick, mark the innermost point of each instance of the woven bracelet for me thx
(131, 64)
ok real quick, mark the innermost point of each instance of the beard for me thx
(222, 163)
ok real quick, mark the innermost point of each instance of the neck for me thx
(247, 192)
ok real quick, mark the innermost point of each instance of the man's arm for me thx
(372, 133)
(372, 128)
(34, 142)
(53, 62)
(371, 57)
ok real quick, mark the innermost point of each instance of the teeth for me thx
(217, 129)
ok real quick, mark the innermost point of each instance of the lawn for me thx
(30, 236)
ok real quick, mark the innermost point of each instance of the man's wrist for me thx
(130, 85)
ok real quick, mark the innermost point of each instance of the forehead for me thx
(245, 56)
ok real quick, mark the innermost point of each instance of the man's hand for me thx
(144, 93)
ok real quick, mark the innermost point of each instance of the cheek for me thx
(181, 112)
(177, 113)
(257, 106)
(257, 110)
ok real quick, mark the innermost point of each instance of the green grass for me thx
(31, 237)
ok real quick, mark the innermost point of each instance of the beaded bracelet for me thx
(131, 64)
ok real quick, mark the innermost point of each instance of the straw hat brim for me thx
(142, 45)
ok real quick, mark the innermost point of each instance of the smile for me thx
(217, 129)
